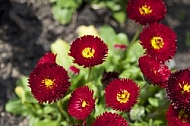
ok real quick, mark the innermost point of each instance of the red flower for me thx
(47, 58)
(154, 71)
(48, 82)
(146, 11)
(121, 47)
(88, 51)
(81, 103)
(177, 117)
(178, 89)
(74, 70)
(121, 94)
(159, 41)
(110, 119)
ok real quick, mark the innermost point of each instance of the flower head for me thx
(146, 11)
(178, 89)
(88, 51)
(74, 70)
(81, 103)
(110, 119)
(121, 47)
(159, 41)
(154, 71)
(121, 94)
(48, 82)
(47, 58)
(177, 117)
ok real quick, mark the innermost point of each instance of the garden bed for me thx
(27, 29)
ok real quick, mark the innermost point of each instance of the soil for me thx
(27, 29)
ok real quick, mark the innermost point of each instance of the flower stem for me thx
(89, 73)
(158, 111)
(60, 106)
(135, 37)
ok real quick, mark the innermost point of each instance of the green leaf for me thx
(122, 39)
(52, 1)
(30, 98)
(47, 122)
(69, 3)
(153, 101)
(134, 51)
(132, 72)
(136, 112)
(113, 5)
(15, 106)
(23, 82)
(108, 34)
(63, 15)
(61, 48)
(49, 109)
(120, 16)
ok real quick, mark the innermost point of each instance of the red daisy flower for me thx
(178, 89)
(177, 117)
(81, 103)
(48, 82)
(121, 94)
(88, 51)
(146, 11)
(110, 119)
(47, 58)
(154, 71)
(121, 47)
(74, 70)
(159, 41)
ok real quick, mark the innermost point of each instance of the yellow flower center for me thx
(123, 96)
(88, 52)
(84, 104)
(185, 87)
(144, 10)
(183, 116)
(157, 42)
(48, 82)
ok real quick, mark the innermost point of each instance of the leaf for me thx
(153, 101)
(122, 39)
(136, 112)
(23, 82)
(61, 48)
(69, 3)
(52, 1)
(134, 51)
(63, 15)
(120, 16)
(87, 30)
(132, 72)
(113, 5)
(15, 106)
(108, 34)
(47, 122)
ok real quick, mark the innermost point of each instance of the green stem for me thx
(158, 111)
(135, 37)
(89, 73)
(60, 107)
(144, 86)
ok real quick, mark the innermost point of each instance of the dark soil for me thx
(27, 29)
